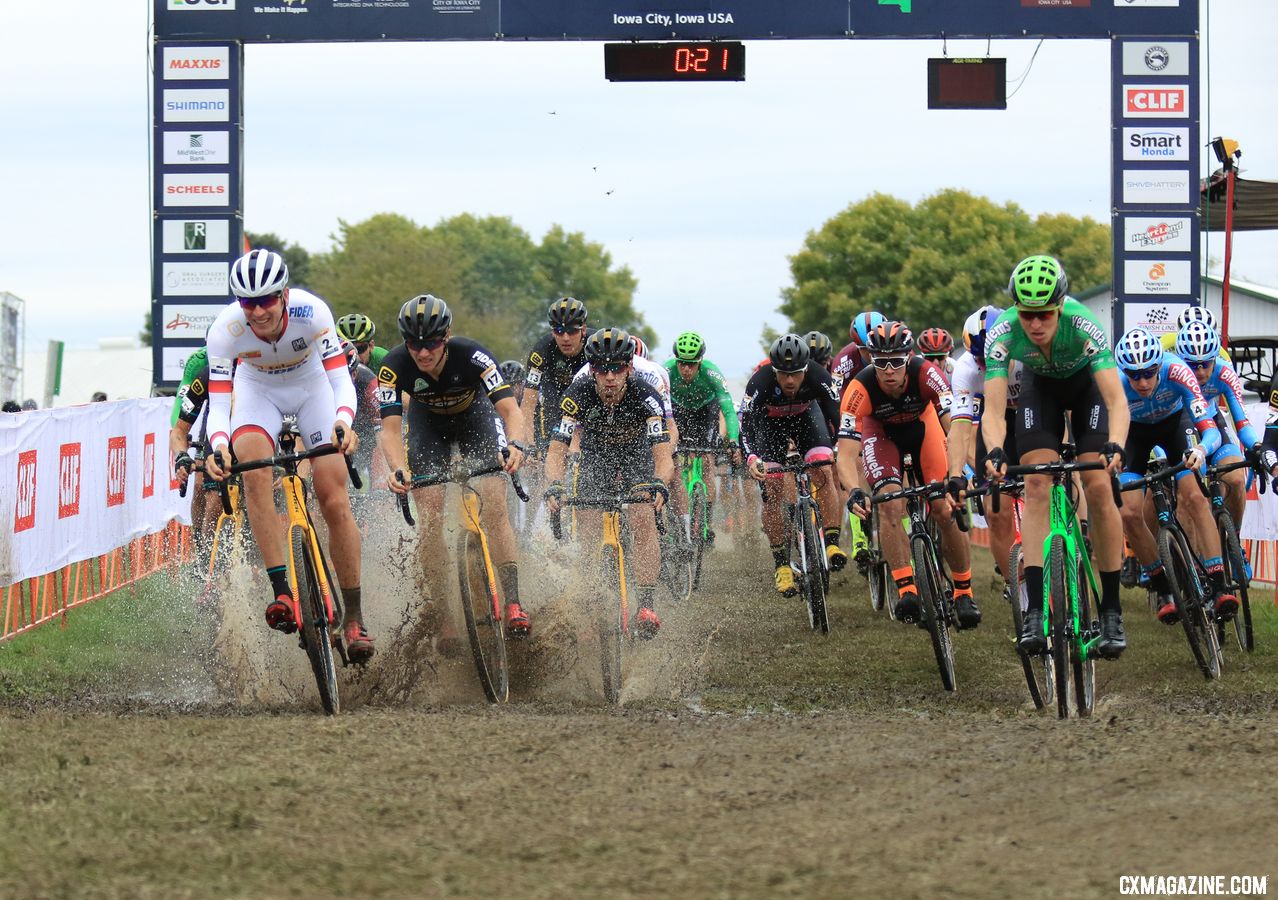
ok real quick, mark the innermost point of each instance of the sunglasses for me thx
(565, 329)
(417, 346)
(259, 302)
(1030, 315)
(608, 368)
(1204, 364)
(890, 362)
(361, 347)
(1141, 374)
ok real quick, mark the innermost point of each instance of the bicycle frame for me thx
(1063, 522)
(235, 518)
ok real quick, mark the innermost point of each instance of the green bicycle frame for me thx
(1064, 522)
(691, 478)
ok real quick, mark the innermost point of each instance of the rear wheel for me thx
(928, 577)
(1037, 669)
(676, 560)
(814, 576)
(1236, 576)
(481, 606)
(611, 627)
(313, 628)
(1188, 590)
(1058, 603)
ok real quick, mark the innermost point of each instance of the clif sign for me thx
(1156, 101)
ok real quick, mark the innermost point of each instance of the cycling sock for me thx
(1215, 567)
(1110, 601)
(831, 536)
(353, 612)
(854, 526)
(279, 580)
(904, 578)
(779, 556)
(1034, 588)
(508, 574)
(1156, 575)
(963, 583)
(645, 595)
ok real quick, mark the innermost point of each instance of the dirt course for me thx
(748, 759)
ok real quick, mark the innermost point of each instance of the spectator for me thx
(29, 404)
(11, 406)
(98, 397)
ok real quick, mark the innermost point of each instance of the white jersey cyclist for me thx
(303, 372)
(967, 383)
(651, 372)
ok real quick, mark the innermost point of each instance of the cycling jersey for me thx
(647, 370)
(550, 373)
(968, 387)
(847, 364)
(196, 363)
(769, 418)
(865, 398)
(302, 372)
(1080, 342)
(368, 416)
(945, 365)
(1224, 382)
(636, 420)
(375, 357)
(1176, 389)
(469, 371)
(705, 389)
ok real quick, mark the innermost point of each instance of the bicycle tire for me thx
(1236, 575)
(676, 560)
(697, 511)
(313, 629)
(611, 629)
(880, 573)
(1187, 591)
(1082, 664)
(928, 579)
(481, 608)
(1059, 612)
(1040, 688)
(814, 584)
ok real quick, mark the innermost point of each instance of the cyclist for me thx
(650, 372)
(459, 400)
(368, 421)
(853, 357)
(617, 422)
(791, 400)
(360, 331)
(703, 412)
(1193, 314)
(936, 345)
(291, 363)
(1159, 389)
(901, 404)
(820, 349)
(196, 363)
(968, 386)
(1067, 367)
(513, 371)
(192, 412)
(1198, 344)
(552, 363)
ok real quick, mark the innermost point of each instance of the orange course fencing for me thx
(30, 603)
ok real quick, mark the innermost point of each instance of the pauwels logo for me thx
(69, 480)
(115, 471)
(24, 509)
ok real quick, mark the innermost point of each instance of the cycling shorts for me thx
(432, 437)
(1044, 402)
(884, 446)
(698, 427)
(262, 401)
(1142, 437)
(807, 430)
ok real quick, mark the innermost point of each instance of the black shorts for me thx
(698, 427)
(432, 437)
(1040, 417)
(1142, 437)
(1009, 445)
(772, 436)
(607, 470)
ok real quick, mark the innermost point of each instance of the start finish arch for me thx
(198, 80)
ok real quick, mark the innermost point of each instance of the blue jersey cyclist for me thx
(1160, 388)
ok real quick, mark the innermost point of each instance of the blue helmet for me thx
(1197, 342)
(1138, 349)
(974, 329)
(865, 323)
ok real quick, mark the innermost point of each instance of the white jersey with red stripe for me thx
(968, 386)
(303, 372)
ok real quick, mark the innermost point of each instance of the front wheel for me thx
(928, 577)
(1189, 591)
(481, 606)
(676, 561)
(1236, 576)
(1082, 665)
(697, 509)
(813, 575)
(612, 626)
(1059, 622)
(313, 629)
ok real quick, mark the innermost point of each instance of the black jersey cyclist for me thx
(513, 371)
(617, 422)
(552, 363)
(459, 401)
(1068, 368)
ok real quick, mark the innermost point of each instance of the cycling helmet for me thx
(610, 345)
(641, 349)
(258, 273)
(567, 313)
(689, 347)
(352, 356)
(974, 329)
(1197, 314)
(356, 327)
(1038, 282)
(890, 338)
(424, 317)
(1197, 342)
(1138, 349)
(513, 371)
(789, 353)
(863, 324)
(935, 342)
(820, 347)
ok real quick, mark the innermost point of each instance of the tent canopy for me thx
(1255, 209)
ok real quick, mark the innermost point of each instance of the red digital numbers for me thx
(697, 59)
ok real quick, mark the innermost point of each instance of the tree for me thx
(931, 264)
(297, 256)
(571, 266)
(144, 336)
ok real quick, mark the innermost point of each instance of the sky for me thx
(704, 191)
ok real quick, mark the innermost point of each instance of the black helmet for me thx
(424, 318)
(513, 371)
(789, 353)
(890, 337)
(567, 313)
(610, 345)
(820, 346)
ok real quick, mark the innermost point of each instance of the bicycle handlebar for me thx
(1164, 472)
(1251, 461)
(802, 466)
(1056, 468)
(618, 499)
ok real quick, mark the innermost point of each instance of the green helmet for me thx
(689, 347)
(356, 328)
(1038, 282)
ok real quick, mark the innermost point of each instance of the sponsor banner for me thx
(213, 189)
(201, 5)
(1160, 318)
(1133, 4)
(1159, 58)
(189, 320)
(1155, 101)
(197, 148)
(87, 480)
(196, 63)
(1156, 144)
(196, 236)
(197, 105)
(1155, 187)
(1156, 276)
(174, 361)
(194, 279)
(1157, 235)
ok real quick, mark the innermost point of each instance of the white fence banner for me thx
(83, 480)
(1260, 521)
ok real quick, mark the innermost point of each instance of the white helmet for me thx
(1196, 314)
(258, 273)
(1138, 349)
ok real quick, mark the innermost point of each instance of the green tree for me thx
(571, 266)
(144, 336)
(931, 264)
(297, 256)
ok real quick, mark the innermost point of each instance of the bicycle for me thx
(935, 589)
(806, 540)
(317, 608)
(476, 579)
(698, 502)
(614, 618)
(1236, 579)
(1072, 634)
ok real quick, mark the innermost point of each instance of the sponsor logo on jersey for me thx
(306, 311)
(535, 359)
(421, 385)
(569, 406)
(386, 375)
(299, 344)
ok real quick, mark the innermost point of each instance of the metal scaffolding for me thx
(12, 344)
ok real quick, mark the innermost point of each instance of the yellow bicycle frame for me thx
(236, 518)
(295, 505)
(612, 538)
(470, 519)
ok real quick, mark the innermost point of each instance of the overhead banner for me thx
(84, 480)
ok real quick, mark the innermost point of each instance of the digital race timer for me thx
(675, 61)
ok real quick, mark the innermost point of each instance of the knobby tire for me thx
(1037, 669)
(1236, 575)
(1083, 666)
(928, 578)
(814, 575)
(314, 625)
(611, 629)
(1187, 590)
(1059, 619)
(484, 625)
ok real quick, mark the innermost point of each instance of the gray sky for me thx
(712, 186)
